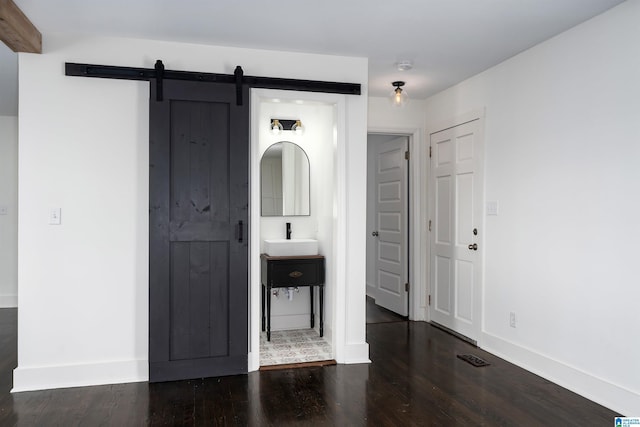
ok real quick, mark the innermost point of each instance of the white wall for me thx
(562, 154)
(383, 117)
(83, 285)
(9, 221)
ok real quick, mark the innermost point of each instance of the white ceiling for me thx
(448, 40)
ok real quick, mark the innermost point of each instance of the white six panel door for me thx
(456, 239)
(391, 221)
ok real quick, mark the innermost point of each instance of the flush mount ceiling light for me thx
(276, 127)
(398, 96)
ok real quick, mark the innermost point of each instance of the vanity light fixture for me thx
(398, 96)
(276, 127)
(279, 125)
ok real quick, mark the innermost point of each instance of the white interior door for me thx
(391, 226)
(456, 237)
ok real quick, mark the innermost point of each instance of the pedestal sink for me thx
(292, 247)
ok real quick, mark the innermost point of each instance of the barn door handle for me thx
(240, 231)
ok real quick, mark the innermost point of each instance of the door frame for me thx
(478, 303)
(417, 240)
(335, 316)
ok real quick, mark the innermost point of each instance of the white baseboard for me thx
(49, 377)
(354, 353)
(419, 314)
(619, 399)
(253, 361)
(8, 301)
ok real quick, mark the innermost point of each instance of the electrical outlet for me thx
(512, 319)
(4, 210)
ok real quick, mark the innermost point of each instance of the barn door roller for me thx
(159, 77)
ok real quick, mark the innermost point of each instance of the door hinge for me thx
(406, 287)
(406, 155)
(429, 225)
(429, 299)
(430, 150)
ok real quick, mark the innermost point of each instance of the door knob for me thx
(374, 234)
(473, 247)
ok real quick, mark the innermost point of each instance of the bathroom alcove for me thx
(321, 141)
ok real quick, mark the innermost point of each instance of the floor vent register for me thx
(474, 360)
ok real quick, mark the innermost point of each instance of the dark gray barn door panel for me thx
(198, 219)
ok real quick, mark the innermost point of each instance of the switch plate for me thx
(54, 216)
(492, 208)
(4, 210)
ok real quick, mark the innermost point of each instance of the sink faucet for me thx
(288, 231)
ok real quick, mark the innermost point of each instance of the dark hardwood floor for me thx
(8, 350)
(414, 379)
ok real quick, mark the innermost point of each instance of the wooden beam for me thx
(16, 31)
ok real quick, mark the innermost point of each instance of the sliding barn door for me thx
(198, 231)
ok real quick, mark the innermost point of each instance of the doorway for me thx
(388, 221)
(294, 339)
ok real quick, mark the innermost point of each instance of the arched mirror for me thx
(284, 170)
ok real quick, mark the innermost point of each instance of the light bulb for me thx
(276, 127)
(398, 96)
(297, 128)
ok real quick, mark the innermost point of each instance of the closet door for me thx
(457, 237)
(198, 231)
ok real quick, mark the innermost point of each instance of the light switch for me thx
(54, 216)
(492, 208)
(4, 210)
